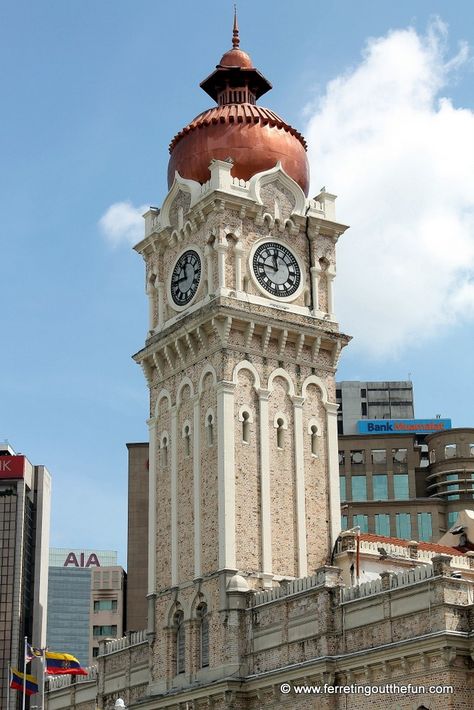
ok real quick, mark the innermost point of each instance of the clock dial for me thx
(276, 269)
(185, 277)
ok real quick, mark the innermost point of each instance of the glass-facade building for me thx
(69, 600)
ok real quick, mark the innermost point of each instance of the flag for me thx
(63, 664)
(17, 680)
(32, 652)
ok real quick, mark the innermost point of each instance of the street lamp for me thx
(119, 704)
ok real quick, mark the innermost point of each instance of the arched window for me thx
(210, 429)
(179, 641)
(314, 439)
(280, 433)
(164, 451)
(187, 440)
(246, 427)
(203, 620)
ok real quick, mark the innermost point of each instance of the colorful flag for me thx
(63, 664)
(32, 652)
(17, 680)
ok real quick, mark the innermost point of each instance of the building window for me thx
(164, 452)
(358, 457)
(363, 393)
(403, 524)
(210, 429)
(380, 486)
(245, 427)
(95, 652)
(452, 517)
(338, 394)
(399, 456)
(203, 635)
(454, 487)
(450, 451)
(342, 487)
(363, 409)
(382, 524)
(179, 642)
(471, 449)
(314, 440)
(105, 630)
(105, 605)
(187, 440)
(425, 528)
(280, 433)
(343, 522)
(359, 488)
(400, 486)
(379, 456)
(362, 521)
(341, 458)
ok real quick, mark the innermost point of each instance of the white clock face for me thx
(185, 277)
(276, 269)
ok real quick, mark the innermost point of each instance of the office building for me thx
(86, 601)
(25, 500)
(372, 400)
(137, 548)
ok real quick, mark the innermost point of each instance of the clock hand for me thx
(275, 262)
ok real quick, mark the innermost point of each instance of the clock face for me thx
(185, 277)
(276, 269)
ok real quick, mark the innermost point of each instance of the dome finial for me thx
(235, 32)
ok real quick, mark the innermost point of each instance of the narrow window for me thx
(179, 640)
(314, 440)
(203, 636)
(245, 427)
(164, 452)
(187, 441)
(280, 433)
(210, 430)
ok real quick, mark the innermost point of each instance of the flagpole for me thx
(43, 662)
(23, 702)
(9, 676)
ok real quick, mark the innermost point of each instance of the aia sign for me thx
(71, 560)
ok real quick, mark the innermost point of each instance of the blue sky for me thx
(92, 93)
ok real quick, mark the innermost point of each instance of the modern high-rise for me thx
(137, 547)
(86, 601)
(372, 400)
(25, 500)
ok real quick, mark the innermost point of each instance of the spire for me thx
(235, 32)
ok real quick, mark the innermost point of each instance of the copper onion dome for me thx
(254, 137)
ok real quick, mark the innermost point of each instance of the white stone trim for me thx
(208, 369)
(333, 472)
(263, 291)
(314, 380)
(300, 492)
(183, 382)
(162, 394)
(283, 417)
(245, 408)
(174, 306)
(151, 587)
(265, 177)
(246, 365)
(174, 497)
(280, 372)
(226, 474)
(314, 422)
(265, 510)
(197, 486)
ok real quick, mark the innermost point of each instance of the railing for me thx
(412, 576)
(63, 681)
(132, 639)
(296, 586)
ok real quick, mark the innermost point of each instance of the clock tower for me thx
(240, 357)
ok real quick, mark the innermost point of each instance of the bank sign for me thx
(402, 426)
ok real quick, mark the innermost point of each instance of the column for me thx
(226, 480)
(161, 304)
(151, 588)
(333, 472)
(221, 248)
(330, 276)
(150, 292)
(238, 251)
(197, 486)
(210, 279)
(174, 496)
(265, 512)
(300, 486)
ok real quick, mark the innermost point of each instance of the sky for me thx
(92, 93)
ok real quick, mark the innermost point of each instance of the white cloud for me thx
(401, 158)
(123, 223)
